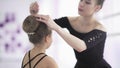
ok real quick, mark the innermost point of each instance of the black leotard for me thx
(29, 61)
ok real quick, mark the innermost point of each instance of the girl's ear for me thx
(47, 38)
(98, 7)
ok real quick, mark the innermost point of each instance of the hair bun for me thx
(30, 24)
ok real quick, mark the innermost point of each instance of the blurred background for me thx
(14, 42)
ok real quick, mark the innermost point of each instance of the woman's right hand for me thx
(48, 21)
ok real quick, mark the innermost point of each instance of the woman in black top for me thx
(87, 36)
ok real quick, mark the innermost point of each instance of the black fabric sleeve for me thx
(63, 22)
(95, 38)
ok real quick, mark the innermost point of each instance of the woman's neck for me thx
(87, 20)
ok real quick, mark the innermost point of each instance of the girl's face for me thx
(87, 7)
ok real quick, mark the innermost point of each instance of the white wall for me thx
(14, 42)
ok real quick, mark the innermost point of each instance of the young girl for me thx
(40, 35)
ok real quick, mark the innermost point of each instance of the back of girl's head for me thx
(36, 30)
(100, 2)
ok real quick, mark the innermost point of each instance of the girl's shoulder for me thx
(51, 63)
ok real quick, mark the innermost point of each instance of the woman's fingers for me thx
(34, 4)
(34, 8)
(44, 21)
(47, 20)
(43, 17)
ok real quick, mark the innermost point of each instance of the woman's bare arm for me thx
(73, 41)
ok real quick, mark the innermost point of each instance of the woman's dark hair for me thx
(100, 2)
(36, 30)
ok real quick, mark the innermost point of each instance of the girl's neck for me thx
(39, 48)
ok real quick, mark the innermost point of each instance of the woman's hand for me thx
(34, 8)
(73, 41)
(48, 21)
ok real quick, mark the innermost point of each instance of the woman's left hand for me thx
(34, 8)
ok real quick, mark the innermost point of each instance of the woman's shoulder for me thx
(100, 27)
(66, 18)
(73, 18)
